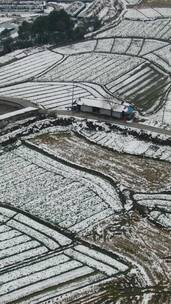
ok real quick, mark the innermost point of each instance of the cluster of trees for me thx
(56, 28)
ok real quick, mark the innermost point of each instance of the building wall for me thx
(116, 114)
(105, 112)
(89, 109)
(86, 109)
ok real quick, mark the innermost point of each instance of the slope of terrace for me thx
(41, 186)
(126, 76)
(132, 69)
(39, 262)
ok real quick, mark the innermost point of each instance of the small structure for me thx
(105, 107)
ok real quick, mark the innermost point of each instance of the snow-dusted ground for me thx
(133, 2)
(106, 11)
(63, 143)
(157, 51)
(127, 143)
(78, 199)
(28, 67)
(19, 54)
(54, 95)
(29, 262)
(158, 207)
(75, 7)
(85, 46)
(93, 67)
(113, 64)
(163, 117)
(147, 13)
(159, 28)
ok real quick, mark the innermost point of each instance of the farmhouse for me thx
(105, 107)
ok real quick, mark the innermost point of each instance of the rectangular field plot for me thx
(85, 46)
(28, 67)
(78, 199)
(96, 67)
(143, 86)
(38, 262)
(159, 28)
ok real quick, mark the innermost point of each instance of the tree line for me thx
(56, 28)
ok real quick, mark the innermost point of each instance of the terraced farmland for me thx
(158, 29)
(131, 78)
(78, 199)
(28, 67)
(124, 169)
(85, 182)
(53, 95)
(35, 257)
(129, 68)
(96, 67)
(148, 13)
(134, 233)
(128, 144)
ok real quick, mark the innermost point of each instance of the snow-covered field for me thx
(28, 67)
(78, 199)
(93, 67)
(127, 143)
(163, 116)
(157, 51)
(106, 11)
(85, 46)
(53, 95)
(34, 257)
(148, 13)
(91, 185)
(126, 170)
(19, 54)
(75, 8)
(133, 2)
(159, 28)
(127, 77)
(83, 202)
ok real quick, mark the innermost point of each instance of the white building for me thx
(112, 108)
